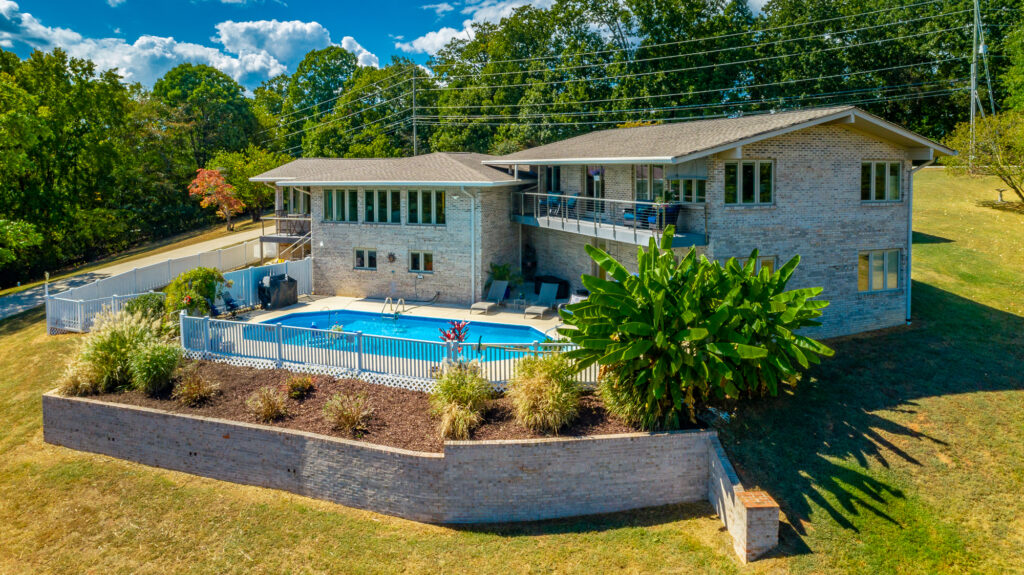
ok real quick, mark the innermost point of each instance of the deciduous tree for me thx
(215, 191)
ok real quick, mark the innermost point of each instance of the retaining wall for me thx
(471, 482)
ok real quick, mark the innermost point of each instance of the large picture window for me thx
(365, 259)
(426, 207)
(552, 179)
(878, 270)
(341, 206)
(880, 181)
(382, 206)
(750, 182)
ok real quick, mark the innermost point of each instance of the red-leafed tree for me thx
(216, 191)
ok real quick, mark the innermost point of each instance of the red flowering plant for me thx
(456, 333)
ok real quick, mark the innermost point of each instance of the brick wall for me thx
(472, 482)
(452, 246)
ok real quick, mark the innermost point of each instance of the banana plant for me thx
(681, 332)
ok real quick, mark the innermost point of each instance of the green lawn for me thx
(904, 453)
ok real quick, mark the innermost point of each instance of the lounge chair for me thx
(545, 301)
(230, 302)
(494, 298)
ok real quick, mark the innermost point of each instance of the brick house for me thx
(834, 185)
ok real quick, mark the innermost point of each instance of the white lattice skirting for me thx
(390, 380)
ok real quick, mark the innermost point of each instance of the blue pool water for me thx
(409, 327)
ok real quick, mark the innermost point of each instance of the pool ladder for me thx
(396, 308)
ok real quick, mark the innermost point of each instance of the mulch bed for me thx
(400, 417)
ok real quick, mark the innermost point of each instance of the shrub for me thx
(267, 404)
(544, 392)
(348, 412)
(461, 384)
(299, 386)
(191, 290)
(193, 389)
(153, 366)
(682, 333)
(110, 346)
(459, 397)
(457, 421)
(150, 305)
(78, 379)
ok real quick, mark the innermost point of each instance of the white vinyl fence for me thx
(75, 309)
(407, 363)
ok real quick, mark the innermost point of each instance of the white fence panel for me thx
(233, 257)
(152, 277)
(210, 260)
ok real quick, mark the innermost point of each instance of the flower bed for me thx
(400, 417)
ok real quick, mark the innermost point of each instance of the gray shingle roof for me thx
(662, 142)
(439, 168)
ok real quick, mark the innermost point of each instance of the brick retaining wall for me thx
(471, 482)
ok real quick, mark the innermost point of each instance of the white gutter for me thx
(910, 228)
(472, 243)
(448, 184)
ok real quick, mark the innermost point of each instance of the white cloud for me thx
(115, 3)
(484, 11)
(439, 9)
(252, 51)
(364, 56)
(286, 41)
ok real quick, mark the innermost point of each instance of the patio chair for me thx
(495, 296)
(545, 301)
(230, 303)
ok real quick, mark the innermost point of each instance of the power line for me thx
(335, 120)
(331, 100)
(315, 104)
(694, 92)
(705, 66)
(730, 35)
(704, 52)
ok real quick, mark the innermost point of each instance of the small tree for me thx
(998, 149)
(238, 167)
(215, 191)
(683, 333)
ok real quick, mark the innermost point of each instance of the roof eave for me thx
(583, 161)
(442, 184)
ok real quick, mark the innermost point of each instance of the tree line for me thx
(90, 165)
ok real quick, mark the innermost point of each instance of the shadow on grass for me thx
(923, 238)
(799, 446)
(1005, 206)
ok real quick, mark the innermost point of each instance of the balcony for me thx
(289, 228)
(633, 222)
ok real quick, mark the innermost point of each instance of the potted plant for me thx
(504, 272)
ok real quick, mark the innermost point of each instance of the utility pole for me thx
(415, 143)
(974, 82)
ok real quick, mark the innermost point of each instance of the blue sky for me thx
(251, 40)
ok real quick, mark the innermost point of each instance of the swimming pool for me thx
(409, 326)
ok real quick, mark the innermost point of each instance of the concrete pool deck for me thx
(506, 315)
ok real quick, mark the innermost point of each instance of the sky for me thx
(250, 40)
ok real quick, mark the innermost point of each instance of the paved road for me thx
(33, 297)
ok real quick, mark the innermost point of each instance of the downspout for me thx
(472, 243)
(910, 228)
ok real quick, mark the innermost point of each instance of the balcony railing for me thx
(287, 224)
(611, 219)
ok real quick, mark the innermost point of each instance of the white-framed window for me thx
(382, 206)
(426, 207)
(691, 191)
(365, 259)
(878, 270)
(295, 201)
(341, 206)
(750, 182)
(649, 183)
(881, 181)
(421, 262)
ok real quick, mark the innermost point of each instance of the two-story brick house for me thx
(833, 185)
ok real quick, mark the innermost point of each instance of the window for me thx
(341, 206)
(641, 182)
(295, 201)
(878, 270)
(365, 259)
(426, 207)
(422, 262)
(749, 182)
(552, 179)
(692, 191)
(880, 181)
(658, 183)
(763, 263)
(382, 206)
(595, 182)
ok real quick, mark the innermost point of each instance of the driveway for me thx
(33, 297)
